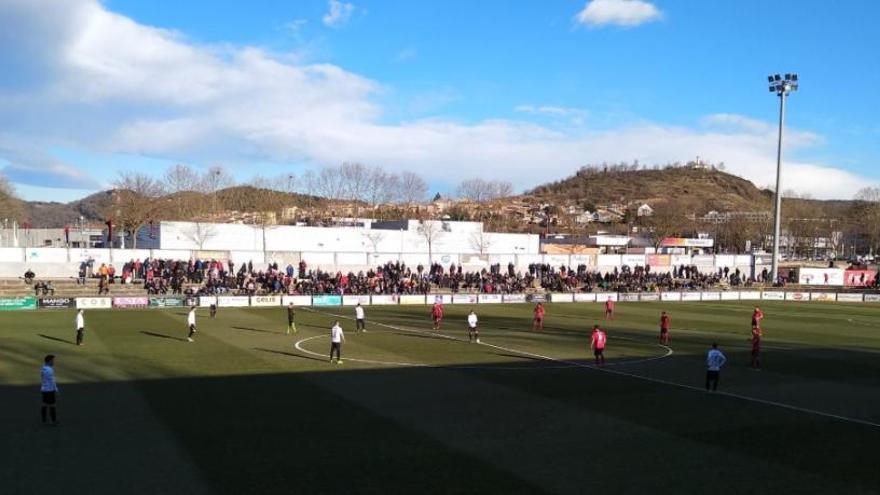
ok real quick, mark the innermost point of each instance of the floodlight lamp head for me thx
(770, 79)
(794, 77)
(777, 77)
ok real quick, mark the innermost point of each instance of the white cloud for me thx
(338, 13)
(150, 91)
(27, 163)
(295, 26)
(617, 12)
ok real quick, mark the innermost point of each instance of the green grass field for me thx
(248, 409)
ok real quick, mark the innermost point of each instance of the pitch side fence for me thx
(32, 303)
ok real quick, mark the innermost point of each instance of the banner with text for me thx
(264, 301)
(130, 302)
(17, 303)
(326, 300)
(464, 299)
(849, 297)
(363, 300)
(233, 301)
(94, 302)
(56, 302)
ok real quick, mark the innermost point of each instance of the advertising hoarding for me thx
(130, 302)
(94, 302)
(265, 301)
(56, 302)
(327, 300)
(233, 301)
(411, 299)
(17, 303)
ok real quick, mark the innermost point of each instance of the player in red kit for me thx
(609, 309)
(757, 316)
(664, 328)
(437, 314)
(756, 347)
(597, 345)
(538, 322)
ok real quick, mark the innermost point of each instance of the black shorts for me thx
(192, 328)
(598, 352)
(712, 375)
(48, 398)
(664, 331)
(756, 351)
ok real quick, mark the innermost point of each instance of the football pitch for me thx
(249, 409)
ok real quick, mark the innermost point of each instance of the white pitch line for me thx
(664, 382)
(668, 353)
(299, 347)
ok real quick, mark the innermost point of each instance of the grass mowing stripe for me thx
(657, 380)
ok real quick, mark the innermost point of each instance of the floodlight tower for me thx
(782, 86)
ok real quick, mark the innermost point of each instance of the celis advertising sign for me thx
(685, 242)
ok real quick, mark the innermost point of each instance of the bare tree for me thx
(869, 194)
(200, 233)
(475, 190)
(307, 185)
(136, 201)
(668, 219)
(10, 205)
(215, 179)
(178, 181)
(479, 190)
(431, 231)
(383, 188)
(329, 184)
(413, 188)
(261, 182)
(480, 242)
(374, 237)
(356, 180)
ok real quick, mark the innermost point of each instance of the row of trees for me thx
(10, 205)
(183, 193)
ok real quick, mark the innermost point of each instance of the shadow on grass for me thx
(291, 354)
(523, 357)
(56, 339)
(418, 336)
(162, 336)
(249, 329)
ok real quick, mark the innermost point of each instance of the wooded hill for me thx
(705, 188)
(178, 206)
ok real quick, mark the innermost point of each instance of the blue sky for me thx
(525, 91)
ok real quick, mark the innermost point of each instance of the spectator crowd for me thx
(214, 277)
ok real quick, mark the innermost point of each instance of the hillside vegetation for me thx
(713, 189)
